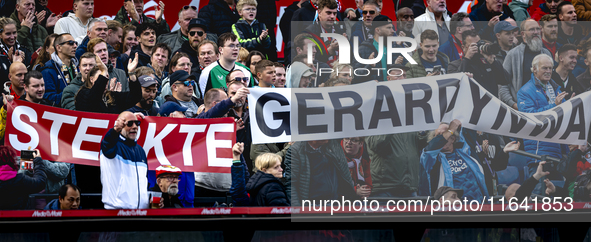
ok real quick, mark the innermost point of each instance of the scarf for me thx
(62, 68)
(5, 49)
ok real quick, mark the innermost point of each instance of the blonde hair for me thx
(242, 54)
(338, 68)
(241, 4)
(6, 21)
(266, 161)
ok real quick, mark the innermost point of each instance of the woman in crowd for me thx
(342, 71)
(180, 61)
(128, 40)
(95, 96)
(252, 59)
(264, 186)
(242, 55)
(16, 186)
(44, 53)
(10, 49)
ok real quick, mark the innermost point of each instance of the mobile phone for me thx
(437, 69)
(27, 154)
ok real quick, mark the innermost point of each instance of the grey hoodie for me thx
(297, 69)
(72, 25)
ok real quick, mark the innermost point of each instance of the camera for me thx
(487, 48)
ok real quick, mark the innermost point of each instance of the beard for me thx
(535, 44)
(145, 105)
(173, 190)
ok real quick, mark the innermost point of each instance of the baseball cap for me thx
(197, 22)
(442, 190)
(308, 73)
(170, 107)
(380, 21)
(504, 26)
(180, 75)
(147, 80)
(167, 169)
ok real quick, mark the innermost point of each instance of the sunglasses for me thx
(187, 83)
(192, 33)
(241, 79)
(408, 17)
(370, 12)
(136, 122)
(555, 1)
(187, 7)
(69, 42)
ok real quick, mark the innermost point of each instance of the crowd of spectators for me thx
(532, 58)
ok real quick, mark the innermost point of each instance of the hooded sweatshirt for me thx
(72, 25)
(297, 69)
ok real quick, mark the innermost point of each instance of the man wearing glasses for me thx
(460, 22)
(182, 86)
(406, 21)
(214, 75)
(167, 182)
(61, 70)
(178, 37)
(362, 29)
(196, 35)
(124, 165)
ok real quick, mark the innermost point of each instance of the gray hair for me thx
(94, 21)
(373, 2)
(536, 62)
(457, 20)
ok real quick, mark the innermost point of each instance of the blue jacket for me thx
(219, 110)
(54, 82)
(240, 176)
(53, 205)
(449, 48)
(358, 30)
(124, 170)
(186, 187)
(531, 99)
(435, 163)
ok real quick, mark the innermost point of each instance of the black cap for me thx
(170, 107)
(180, 75)
(380, 21)
(197, 22)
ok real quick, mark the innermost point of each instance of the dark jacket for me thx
(240, 176)
(152, 112)
(585, 79)
(539, 12)
(480, 17)
(315, 30)
(91, 100)
(487, 75)
(170, 98)
(219, 110)
(418, 70)
(365, 50)
(360, 31)
(161, 28)
(218, 17)
(302, 17)
(17, 186)
(54, 82)
(572, 86)
(574, 39)
(69, 93)
(285, 22)
(42, 101)
(174, 40)
(496, 160)
(248, 36)
(298, 174)
(169, 202)
(266, 190)
(33, 38)
(144, 60)
(449, 48)
(53, 205)
(5, 62)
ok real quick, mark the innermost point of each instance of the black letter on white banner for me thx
(283, 116)
(479, 103)
(572, 127)
(517, 122)
(339, 110)
(304, 111)
(500, 117)
(422, 103)
(555, 125)
(443, 85)
(392, 112)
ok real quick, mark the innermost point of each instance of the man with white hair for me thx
(435, 18)
(167, 182)
(519, 59)
(541, 93)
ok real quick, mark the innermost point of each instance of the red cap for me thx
(168, 169)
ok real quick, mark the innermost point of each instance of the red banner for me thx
(193, 145)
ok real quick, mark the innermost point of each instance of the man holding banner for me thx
(124, 166)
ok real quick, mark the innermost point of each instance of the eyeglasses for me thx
(171, 178)
(353, 141)
(250, 9)
(192, 33)
(187, 7)
(131, 122)
(370, 12)
(186, 83)
(241, 79)
(69, 42)
(555, 1)
(534, 30)
(233, 46)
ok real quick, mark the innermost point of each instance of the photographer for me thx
(15, 185)
(479, 59)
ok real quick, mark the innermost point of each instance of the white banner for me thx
(371, 108)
